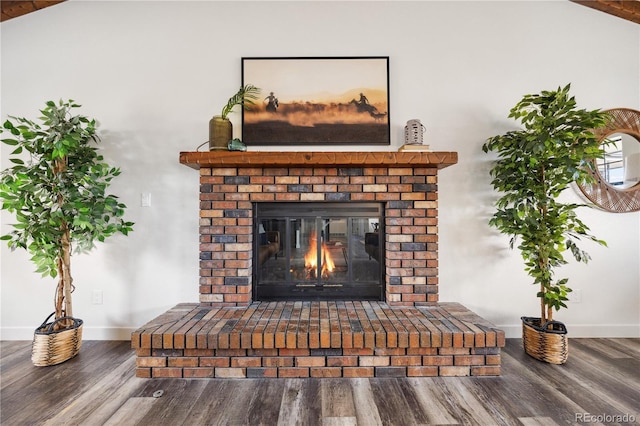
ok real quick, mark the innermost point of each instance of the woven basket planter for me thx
(54, 347)
(547, 342)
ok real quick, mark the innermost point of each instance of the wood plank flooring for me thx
(99, 387)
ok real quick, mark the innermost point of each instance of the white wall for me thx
(153, 73)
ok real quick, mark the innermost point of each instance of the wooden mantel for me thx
(199, 159)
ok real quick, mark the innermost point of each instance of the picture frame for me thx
(317, 101)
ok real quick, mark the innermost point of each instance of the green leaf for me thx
(244, 96)
(12, 142)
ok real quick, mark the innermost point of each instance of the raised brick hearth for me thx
(228, 334)
(318, 339)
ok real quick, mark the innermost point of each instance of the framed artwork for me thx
(317, 101)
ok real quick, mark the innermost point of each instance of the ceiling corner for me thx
(625, 9)
(13, 9)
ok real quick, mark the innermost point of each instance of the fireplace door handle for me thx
(322, 285)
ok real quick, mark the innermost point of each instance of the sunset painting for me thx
(317, 101)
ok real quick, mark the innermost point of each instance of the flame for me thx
(311, 258)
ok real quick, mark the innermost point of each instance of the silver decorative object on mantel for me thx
(413, 132)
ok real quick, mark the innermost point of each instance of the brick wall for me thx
(227, 195)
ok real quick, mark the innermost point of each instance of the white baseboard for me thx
(584, 330)
(88, 333)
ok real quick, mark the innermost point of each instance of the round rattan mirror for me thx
(617, 185)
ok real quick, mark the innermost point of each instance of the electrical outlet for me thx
(145, 199)
(96, 297)
(575, 296)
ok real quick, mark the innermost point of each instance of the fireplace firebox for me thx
(318, 251)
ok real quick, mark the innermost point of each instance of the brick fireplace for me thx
(406, 183)
(230, 333)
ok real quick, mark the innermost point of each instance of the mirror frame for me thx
(601, 193)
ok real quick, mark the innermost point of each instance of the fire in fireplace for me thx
(318, 251)
(311, 259)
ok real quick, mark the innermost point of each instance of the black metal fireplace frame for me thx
(287, 212)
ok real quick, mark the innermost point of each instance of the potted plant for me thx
(220, 128)
(556, 147)
(58, 196)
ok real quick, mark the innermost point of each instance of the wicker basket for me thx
(54, 347)
(547, 342)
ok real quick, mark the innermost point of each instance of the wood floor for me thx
(99, 387)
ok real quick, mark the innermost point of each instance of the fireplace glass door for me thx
(318, 251)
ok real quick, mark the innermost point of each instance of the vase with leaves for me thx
(220, 127)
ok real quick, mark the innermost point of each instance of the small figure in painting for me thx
(272, 105)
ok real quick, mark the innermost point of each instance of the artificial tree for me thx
(534, 166)
(58, 195)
